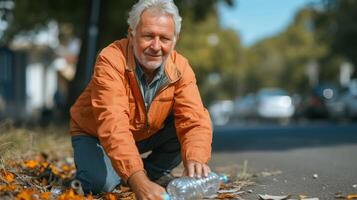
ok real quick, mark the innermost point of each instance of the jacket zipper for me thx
(163, 87)
(167, 83)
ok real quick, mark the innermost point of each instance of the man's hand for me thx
(145, 189)
(196, 169)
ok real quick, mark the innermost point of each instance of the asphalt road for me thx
(315, 159)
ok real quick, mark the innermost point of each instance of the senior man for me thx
(142, 97)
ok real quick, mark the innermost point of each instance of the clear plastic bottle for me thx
(187, 188)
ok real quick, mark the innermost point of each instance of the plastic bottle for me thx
(187, 188)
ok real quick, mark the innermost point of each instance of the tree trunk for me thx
(88, 51)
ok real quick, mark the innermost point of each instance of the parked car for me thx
(221, 111)
(315, 104)
(274, 103)
(267, 103)
(244, 108)
(345, 106)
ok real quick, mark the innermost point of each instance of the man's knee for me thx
(96, 184)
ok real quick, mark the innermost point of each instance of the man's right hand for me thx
(145, 189)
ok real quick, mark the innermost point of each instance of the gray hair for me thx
(164, 6)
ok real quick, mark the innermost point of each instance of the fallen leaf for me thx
(90, 197)
(26, 195)
(31, 164)
(271, 197)
(45, 195)
(110, 196)
(226, 196)
(338, 195)
(229, 190)
(70, 195)
(7, 176)
(273, 173)
(351, 196)
(8, 188)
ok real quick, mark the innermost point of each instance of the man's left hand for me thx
(196, 169)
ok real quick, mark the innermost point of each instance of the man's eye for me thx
(147, 37)
(165, 39)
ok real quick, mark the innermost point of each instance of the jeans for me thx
(95, 170)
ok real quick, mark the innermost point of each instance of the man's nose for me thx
(155, 44)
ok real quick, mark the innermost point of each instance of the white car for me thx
(274, 103)
(221, 112)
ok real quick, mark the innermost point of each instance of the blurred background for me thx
(255, 61)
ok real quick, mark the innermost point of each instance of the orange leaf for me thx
(351, 196)
(70, 195)
(45, 195)
(31, 164)
(109, 196)
(55, 170)
(26, 195)
(90, 197)
(8, 188)
(65, 168)
(7, 176)
(226, 196)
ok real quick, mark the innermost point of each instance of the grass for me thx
(20, 143)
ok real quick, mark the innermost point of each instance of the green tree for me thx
(336, 26)
(280, 61)
(213, 53)
(75, 16)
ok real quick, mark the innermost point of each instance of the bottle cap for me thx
(166, 196)
(223, 178)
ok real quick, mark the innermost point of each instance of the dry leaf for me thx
(338, 195)
(31, 164)
(351, 196)
(271, 197)
(26, 195)
(7, 176)
(90, 197)
(70, 195)
(228, 190)
(8, 188)
(110, 196)
(226, 196)
(45, 195)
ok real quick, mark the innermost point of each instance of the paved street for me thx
(299, 151)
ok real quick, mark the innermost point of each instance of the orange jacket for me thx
(112, 109)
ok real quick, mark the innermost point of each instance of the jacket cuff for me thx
(126, 172)
(196, 156)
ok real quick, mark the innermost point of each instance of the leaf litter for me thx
(48, 176)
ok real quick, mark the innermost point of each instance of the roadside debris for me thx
(351, 196)
(315, 176)
(271, 197)
(267, 173)
(339, 195)
(285, 197)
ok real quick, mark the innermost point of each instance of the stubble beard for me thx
(150, 65)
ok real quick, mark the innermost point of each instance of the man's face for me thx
(154, 39)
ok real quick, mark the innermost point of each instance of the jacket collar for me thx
(171, 70)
